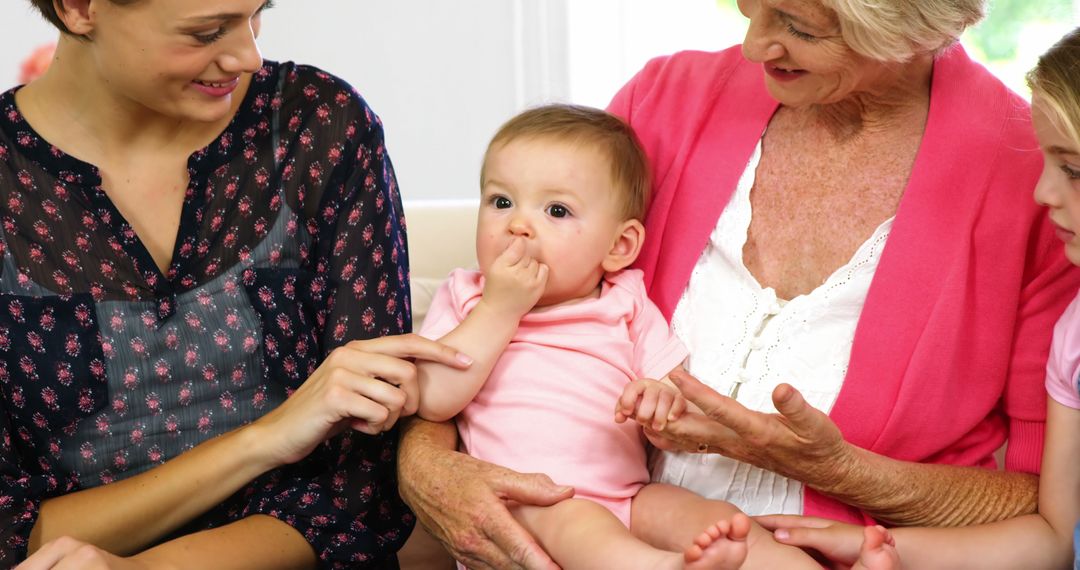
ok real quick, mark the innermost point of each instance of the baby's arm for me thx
(512, 286)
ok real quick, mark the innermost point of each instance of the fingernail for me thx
(464, 359)
(782, 534)
(671, 417)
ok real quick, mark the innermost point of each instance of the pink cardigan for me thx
(950, 351)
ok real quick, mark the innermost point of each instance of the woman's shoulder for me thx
(303, 93)
(692, 70)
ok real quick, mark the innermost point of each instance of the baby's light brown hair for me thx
(580, 125)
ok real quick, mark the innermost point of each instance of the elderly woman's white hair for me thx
(897, 30)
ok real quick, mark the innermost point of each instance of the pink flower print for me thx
(261, 227)
(119, 405)
(54, 447)
(97, 291)
(35, 341)
(360, 288)
(262, 178)
(47, 320)
(339, 329)
(106, 477)
(294, 123)
(335, 154)
(231, 237)
(308, 499)
(42, 231)
(232, 319)
(172, 425)
(380, 201)
(82, 315)
(231, 286)
(101, 423)
(377, 256)
(266, 297)
(153, 403)
(202, 248)
(185, 394)
(349, 269)
(86, 451)
(250, 344)
(205, 299)
(172, 338)
(342, 98)
(50, 399)
(271, 346)
(322, 113)
(193, 321)
(339, 245)
(275, 256)
(97, 368)
(391, 305)
(108, 269)
(289, 365)
(63, 284)
(24, 177)
(15, 309)
(244, 254)
(191, 356)
(50, 208)
(138, 346)
(88, 221)
(120, 460)
(155, 455)
(368, 235)
(221, 340)
(137, 435)
(259, 399)
(204, 424)
(227, 401)
(28, 368)
(250, 154)
(64, 375)
(185, 250)
(40, 422)
(316, 287)
(18, 399)
(131, 291)
(291, 226)
(15, 203)
(162, 370)
(382, 287)
(148, 319)
(131, 378)
(238, 375)
(209, 374)
(367, 319)
(107, 347)
(85, 401)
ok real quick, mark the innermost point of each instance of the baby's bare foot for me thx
(722, 546)
(878, 551)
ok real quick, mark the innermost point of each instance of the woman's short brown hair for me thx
(48, 10)
(577, 124)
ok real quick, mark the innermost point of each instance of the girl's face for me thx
(806, 60)
(1059, 186)
(178, 58)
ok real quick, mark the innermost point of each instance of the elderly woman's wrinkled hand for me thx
(800, 442)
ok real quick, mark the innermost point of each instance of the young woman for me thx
(190, 236)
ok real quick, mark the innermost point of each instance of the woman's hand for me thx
(838, 542)
(800, 442)
(67, 553)
(463, 502)
(365, 385)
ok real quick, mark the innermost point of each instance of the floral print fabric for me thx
(291, 243)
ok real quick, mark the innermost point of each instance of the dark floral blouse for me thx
(291, 243)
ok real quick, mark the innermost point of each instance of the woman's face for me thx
(1059, 186)
(178, 58)
(806, 60)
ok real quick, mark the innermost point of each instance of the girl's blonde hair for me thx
(897, 30)
(1056, 82)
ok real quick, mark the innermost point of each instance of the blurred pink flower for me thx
(35, 65)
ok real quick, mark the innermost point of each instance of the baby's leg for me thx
(670, 518)
(878, 550)
(582, 535)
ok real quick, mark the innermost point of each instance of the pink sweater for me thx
(950, 351)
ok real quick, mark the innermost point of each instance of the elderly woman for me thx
(842, 205)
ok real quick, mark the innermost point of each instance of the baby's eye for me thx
(501, 202)
(558, 211)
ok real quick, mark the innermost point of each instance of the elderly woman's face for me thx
(805, 58)
(180, 58)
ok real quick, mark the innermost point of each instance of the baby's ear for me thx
(626, 247)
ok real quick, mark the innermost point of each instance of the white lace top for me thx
(744, 341)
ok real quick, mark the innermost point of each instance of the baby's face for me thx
(557, 197)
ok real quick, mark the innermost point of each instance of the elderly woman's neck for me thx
(900, 102)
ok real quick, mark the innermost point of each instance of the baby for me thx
(559, 330)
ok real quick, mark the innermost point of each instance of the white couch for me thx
(441, 238)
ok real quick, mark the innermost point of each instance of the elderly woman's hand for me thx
(800, 442)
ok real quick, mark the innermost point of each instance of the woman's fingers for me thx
(415, 347)
(773, 522)
(718, 407)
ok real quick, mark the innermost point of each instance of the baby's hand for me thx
(652, 403)
(515, 281)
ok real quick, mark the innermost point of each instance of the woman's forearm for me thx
(909, 494)
(258, 542)
(126, 516)
(985, 547)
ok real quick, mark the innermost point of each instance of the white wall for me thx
(443, 75)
